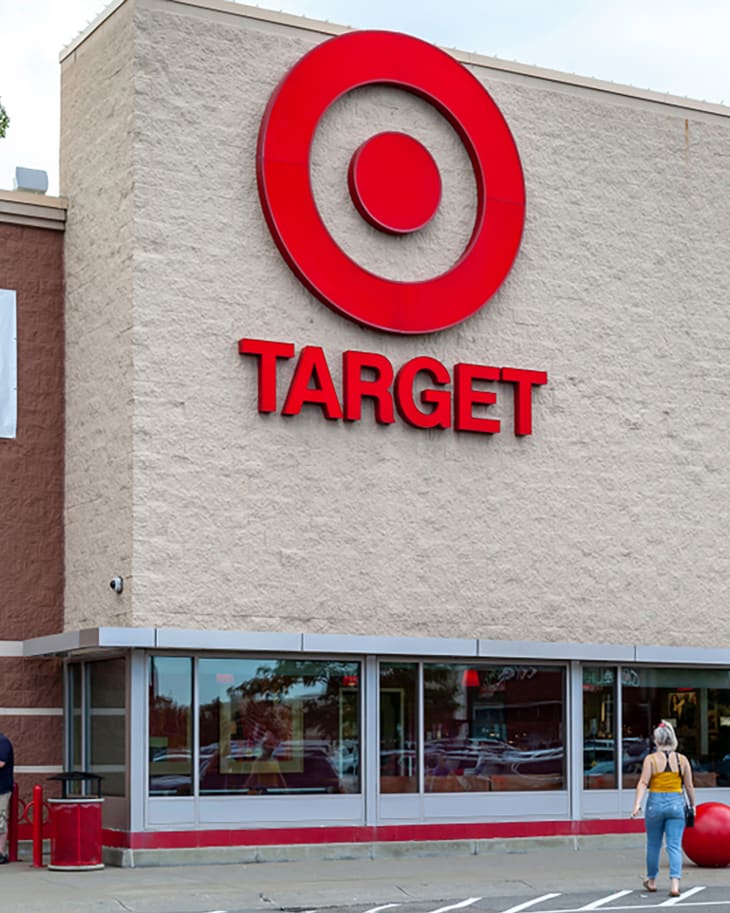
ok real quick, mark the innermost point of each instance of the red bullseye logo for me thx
(395, 183)
(393, 180)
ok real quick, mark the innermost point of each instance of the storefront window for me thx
(279, 726)
(696, 702)
(599, 736)
(107, 724)
(75, 699)
(170, 716)
(494, 727)
(398, 728)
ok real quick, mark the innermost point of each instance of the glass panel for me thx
(75, 758)
(715, 746)
(494, 727)
(107, 724)
(696, 702)
(599, 737)
(398, 728)
(171, 730)
(279, 726)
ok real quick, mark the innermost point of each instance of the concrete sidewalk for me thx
(509, 869)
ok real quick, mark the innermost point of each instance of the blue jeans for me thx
(664, 814)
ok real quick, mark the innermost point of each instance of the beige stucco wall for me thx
(97, 137)
(608, 524)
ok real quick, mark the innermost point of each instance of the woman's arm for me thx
(689, 784)
(642, 785)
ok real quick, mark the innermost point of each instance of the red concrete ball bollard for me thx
(708, 842)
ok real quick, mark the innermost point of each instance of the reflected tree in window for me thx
(279, 726)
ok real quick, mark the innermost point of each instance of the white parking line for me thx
(683, 896)
(385, 906)
(604, 900)
(530, 903)
(703, 904)
(457, 906)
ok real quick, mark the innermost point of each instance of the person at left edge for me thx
(6, 790)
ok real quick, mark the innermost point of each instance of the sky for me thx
(674, 46)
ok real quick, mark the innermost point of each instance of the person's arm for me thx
(689, 783)
(642, 785)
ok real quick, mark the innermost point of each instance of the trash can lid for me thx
(86, 777)
(76, 775)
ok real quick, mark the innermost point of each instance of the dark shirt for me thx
(6, 772)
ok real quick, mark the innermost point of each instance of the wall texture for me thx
(31, 493)
(97, 133)
(608, 524)
(31, 465)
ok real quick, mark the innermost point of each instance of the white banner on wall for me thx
(8, 364)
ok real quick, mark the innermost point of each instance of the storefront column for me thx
(370, 740)
(619, 737)
(574, 739)
(137, 739)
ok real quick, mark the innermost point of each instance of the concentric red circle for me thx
(395, 183)
(387, 58)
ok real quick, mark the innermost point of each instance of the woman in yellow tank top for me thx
(662, 775)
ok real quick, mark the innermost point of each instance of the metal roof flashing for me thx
(106, 639)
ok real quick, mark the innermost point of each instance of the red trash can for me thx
(76, 824)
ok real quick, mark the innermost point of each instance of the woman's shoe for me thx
(674, 893)
(649, 888)
(674, 887)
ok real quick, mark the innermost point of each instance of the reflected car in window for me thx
(299, 769)
(171, 773)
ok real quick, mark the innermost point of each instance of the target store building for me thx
(396, 428)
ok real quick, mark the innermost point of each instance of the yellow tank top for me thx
(666, 781)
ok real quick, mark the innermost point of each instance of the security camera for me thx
(117, 584)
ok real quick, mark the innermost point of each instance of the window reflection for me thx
(75, 754)
(279, 726)
(494, 727)
(107, 724)
(170, 716)
(696, 702)
(599, 737)
(398, 728)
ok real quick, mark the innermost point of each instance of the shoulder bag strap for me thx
(679, 768)
(681, 779)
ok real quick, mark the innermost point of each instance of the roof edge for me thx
(34, 209)
(473, 59)
(465, 649)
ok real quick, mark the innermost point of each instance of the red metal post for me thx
(13, 824)
(37, 826)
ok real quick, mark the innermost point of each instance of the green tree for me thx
(4, 121)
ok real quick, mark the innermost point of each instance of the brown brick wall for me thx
(30, 683)
(26, 782)
(31, 499)
(37, 738)
(31, 466)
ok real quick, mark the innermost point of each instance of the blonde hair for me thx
(665, 736)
